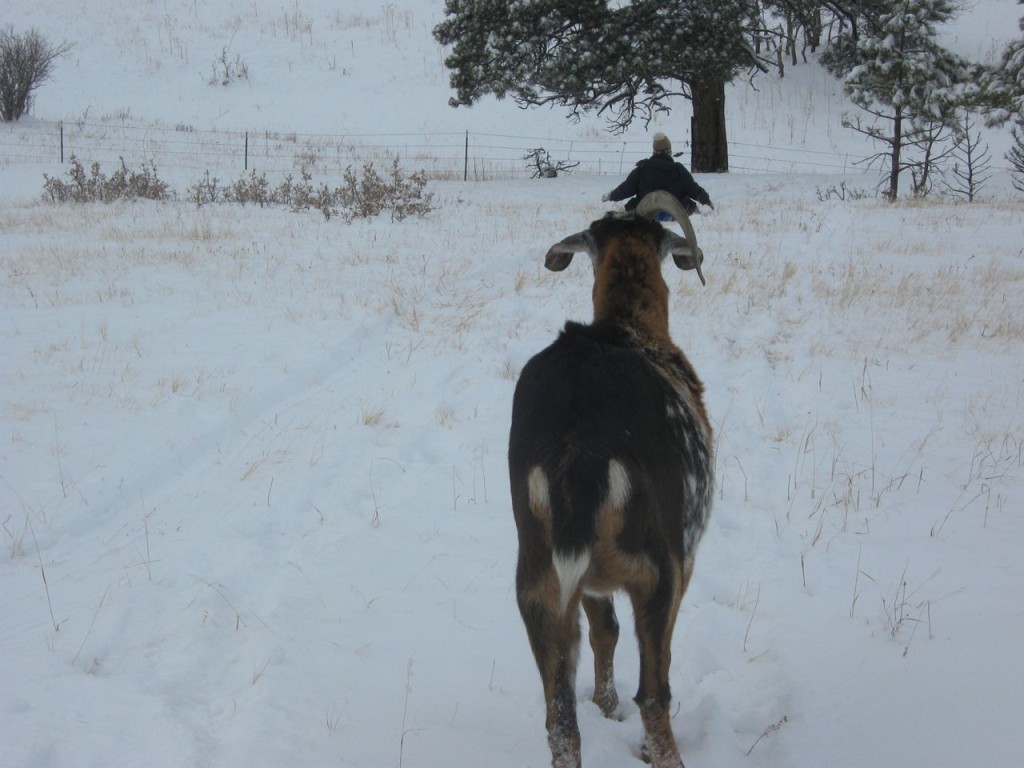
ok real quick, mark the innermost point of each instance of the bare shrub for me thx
(141, 184)
(206, 191)
(842, 192)
(302, 195)
(369, 194)
(362, 195)
(253, 188)
(95, 186)
(297, 194)
(26, 62)
(225, 70)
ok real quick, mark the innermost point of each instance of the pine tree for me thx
(1003, 100)
(1003, 84)
(899, 74)
(624, 60)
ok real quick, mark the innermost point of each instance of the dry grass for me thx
(930, 279)
(445, 416)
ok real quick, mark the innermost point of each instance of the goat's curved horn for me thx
(660, 201)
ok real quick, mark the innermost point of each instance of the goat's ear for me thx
(685, 255)
(560, 254)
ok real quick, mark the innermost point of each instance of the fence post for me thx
(465, 160)
(246, 150)
(61, 142)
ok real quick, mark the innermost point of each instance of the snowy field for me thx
(252, 478)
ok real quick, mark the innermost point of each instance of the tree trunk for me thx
(710, 150)
(897, 145)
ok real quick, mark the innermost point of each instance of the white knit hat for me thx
(661, 143)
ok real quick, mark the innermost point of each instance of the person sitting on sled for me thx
(660, 171)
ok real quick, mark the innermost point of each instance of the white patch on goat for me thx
(569, 567)
(678, 412)
(618, 485)
(698, 511)
(619, 489)
(537, 483)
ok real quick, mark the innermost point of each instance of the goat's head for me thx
(595, 239)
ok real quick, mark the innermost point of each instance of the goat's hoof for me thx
(609, 706)
(615, 714)
(645, 755)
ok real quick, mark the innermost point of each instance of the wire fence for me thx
(444, 155)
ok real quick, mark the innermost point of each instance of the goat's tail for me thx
(574, 499)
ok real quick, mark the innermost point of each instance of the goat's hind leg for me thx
(554, 637)
(604, 635)
(655, 607)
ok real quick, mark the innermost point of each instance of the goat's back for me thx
(597, 395)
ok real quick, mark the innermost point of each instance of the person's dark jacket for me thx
(660, 171)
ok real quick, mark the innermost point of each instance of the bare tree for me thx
(1016, 158)
(539, 161)
(25, 63)
(908, 144)
(932, 149)
(970, 164)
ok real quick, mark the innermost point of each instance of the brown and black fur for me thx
(610, 461)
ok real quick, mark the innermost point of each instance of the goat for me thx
(610, 464)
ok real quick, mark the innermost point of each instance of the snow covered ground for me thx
(252, 478)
